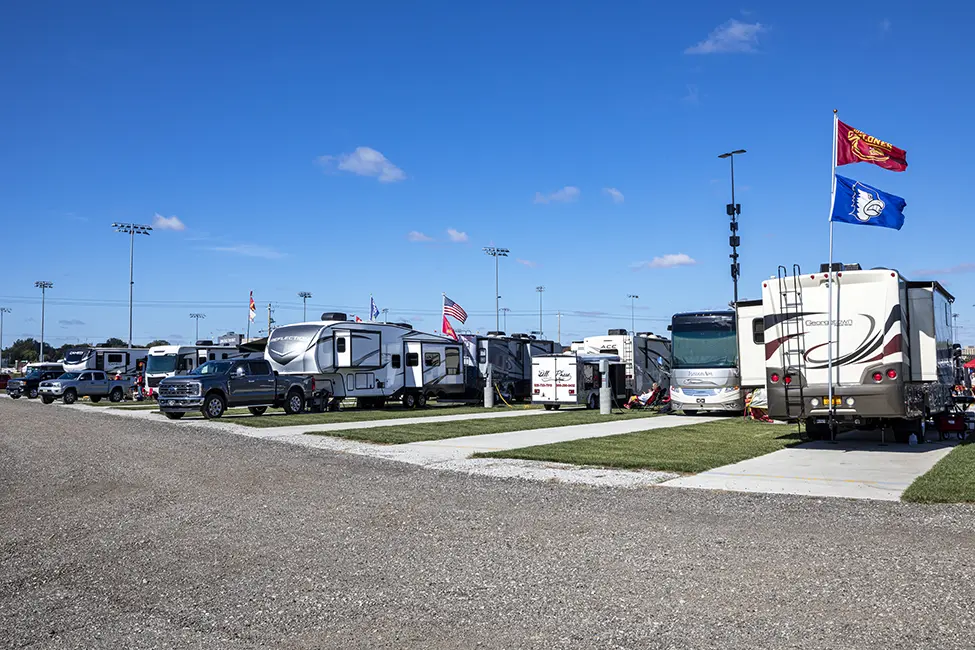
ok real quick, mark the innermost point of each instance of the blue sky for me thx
(356, 148)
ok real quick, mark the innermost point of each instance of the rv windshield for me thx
(213, 368)
(160, 364)
(709, 343)
(76, 356)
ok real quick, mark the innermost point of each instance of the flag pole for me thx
(443, 311)
(829, 306)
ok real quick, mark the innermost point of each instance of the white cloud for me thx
(666, 261)
(250, 250)
(160, 222)
(417, 236)
(614, 194)
(365, 161)
(567, 194)
(733, 36)
(456, 236)
(527, 263)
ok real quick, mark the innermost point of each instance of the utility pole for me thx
(496, 252)
(43, 285)
(386, 315)
(269, 320)
(505, 310)
(733, 210)
(197, 318)
(304, 295)
(633, 298)
(132, 229)
(560, 330)
(540, 289)
(3, 310)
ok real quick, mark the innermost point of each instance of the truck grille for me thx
(182, 389)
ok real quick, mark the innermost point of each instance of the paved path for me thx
(853, 469)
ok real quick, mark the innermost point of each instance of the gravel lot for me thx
(123, 533)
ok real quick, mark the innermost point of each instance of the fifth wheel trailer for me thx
(509, 359)
(893, 359)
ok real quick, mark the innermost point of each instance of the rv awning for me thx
(257, 345)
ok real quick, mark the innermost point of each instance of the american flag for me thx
(452, 309)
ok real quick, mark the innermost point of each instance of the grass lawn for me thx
(951, 480)
(440, 430)
(356, 415)
(691, 449)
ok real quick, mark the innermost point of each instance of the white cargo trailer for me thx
(569, 379)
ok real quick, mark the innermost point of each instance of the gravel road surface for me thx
(122, 533)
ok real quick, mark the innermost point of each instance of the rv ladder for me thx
(793, 349)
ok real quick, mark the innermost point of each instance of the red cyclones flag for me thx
(853, 146)
(448, 330)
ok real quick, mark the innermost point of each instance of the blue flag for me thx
(373, 309)
(859, 203)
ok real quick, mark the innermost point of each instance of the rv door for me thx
(414, 371)
(343, 349)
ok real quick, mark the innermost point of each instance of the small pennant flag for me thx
(448, 330)
(253, 308)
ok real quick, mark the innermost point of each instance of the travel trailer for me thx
(170, 360)
(372, 362)
(646, 355)
(569, 379)
(111, 360)
(718, 357)
(893, 359)
(509, 359)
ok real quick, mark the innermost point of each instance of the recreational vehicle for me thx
(170, 360)
(646, 355)
(372, 362)
(569, 379)
(718, 356)
(111, 360)
(893, 361)
(509, 360)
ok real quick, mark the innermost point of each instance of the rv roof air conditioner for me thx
(840, 266)
(406, 325)
(495, 333)
(617, 332)
(522, 336)
(204, 342)
(334, 315)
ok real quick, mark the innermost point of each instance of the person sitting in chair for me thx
(644, 398)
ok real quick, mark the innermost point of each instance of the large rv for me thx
(372, 362)
(111, 360)
(893, 358)
(509, 359)
(169, 360)
(718, 356)
(570, 379)
(646, 355)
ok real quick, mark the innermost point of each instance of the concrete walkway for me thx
(852, 468)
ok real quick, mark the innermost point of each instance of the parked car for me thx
(218, 385)
(94, 384)
(28, 384)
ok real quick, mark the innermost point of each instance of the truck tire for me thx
(173, 416)
(117, 395)
(421, 401)
(552, 407)
(96, 399)
(32, 393)
(214, 406)
(69, 396)
(15, 397)
(409, 400)
(47, 399)
(294, 403)
(257, 410)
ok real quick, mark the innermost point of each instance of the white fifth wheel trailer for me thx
(111, 360)
(372, 362)
(646, 355)
(170, 360)
(893, 359)
(569, 379)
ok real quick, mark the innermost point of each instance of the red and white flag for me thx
(853, 146)
(253, 308)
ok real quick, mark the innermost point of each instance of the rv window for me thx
(452, 361)
(213, 357)
(396, 361)
(431, 359)
(482, 356)
(340, 345)
(115, 358)
(224, 355)
(758, 330)
(412, 359)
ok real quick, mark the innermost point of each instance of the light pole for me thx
(505, 310)
(733, 209)
(633, 298)
(197, 318)
(496, 252)
(3, 310)
(386, 315)
(132, 229)
(304, 295)
(540, 289)
(43, 285)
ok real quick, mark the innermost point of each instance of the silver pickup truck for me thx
(94, 384)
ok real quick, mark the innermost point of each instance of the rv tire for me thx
(294, 403)
(409, 400)
(95, 399)
(421, 400)
(257, 410)
(380, 402)
(117, 395)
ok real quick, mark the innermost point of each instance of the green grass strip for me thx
(356, 415)
(951, 480)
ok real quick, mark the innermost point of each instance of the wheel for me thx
(47, 399)
(380, 402)
(552, 407)
(816, 431)
(592, 402)
(409, 400)
(295, 403)
(32, 393)
(173, 416)
(70, 396)
(96, 399)
(257, 410)
(213, 406)
(15, 397)
(421, 400)
(117, 395)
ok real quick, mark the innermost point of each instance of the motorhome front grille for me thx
(182, 389)
(154, 381)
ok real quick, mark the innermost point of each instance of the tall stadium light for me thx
(43, 285)
(197, 318)
(304, 295)
(496, 252)
(3, 310)
(540, 289)
(733, 210)
(505, 310)
(132, 229)
(633, 298)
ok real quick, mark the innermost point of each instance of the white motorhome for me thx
(509, 359)
(893, 359)
(372, 362)
(111, 360)
(646, 355)
(169, 360)
(569, 379)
